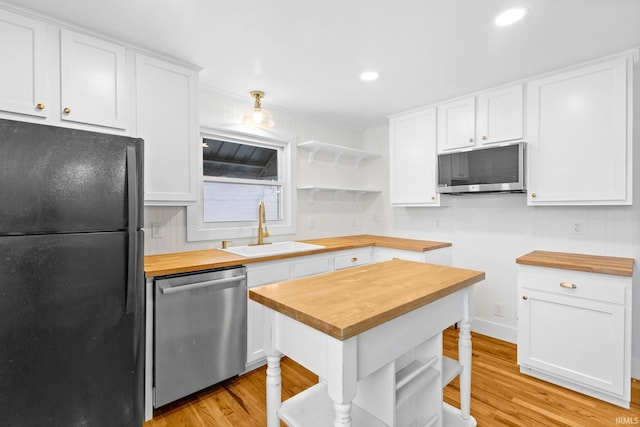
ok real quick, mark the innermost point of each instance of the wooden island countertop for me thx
(345, 303)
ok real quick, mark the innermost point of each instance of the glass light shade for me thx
(510, 16)
(258, 117)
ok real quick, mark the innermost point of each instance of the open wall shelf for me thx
(338, 152)
(313, 190)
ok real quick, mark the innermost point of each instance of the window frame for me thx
(198, 230)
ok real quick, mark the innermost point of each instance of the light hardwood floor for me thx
(500, 396)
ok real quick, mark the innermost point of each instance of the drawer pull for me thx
(354, 259)
(568, 285)
(524, 297)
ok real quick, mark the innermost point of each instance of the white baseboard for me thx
(635, 367)
(495, 330)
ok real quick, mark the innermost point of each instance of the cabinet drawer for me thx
(308, 267)
(351, 259)
(595, 286)
(262, 274)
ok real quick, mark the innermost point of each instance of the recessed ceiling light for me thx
(510, 16)
(369, 76)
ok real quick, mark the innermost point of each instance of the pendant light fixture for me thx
(258, 116)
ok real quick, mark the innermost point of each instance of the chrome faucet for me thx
(262, 224)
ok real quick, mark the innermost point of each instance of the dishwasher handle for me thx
(221, 284)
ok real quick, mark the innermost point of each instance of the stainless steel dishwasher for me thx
(200, 331)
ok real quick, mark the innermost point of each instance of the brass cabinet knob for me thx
(524, 297)
(433, 197)
(470, 139)
(484, 138)
(354, 259)
(66, 110)
(533, 194)
(40, 106)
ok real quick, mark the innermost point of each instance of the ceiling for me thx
(307, 56)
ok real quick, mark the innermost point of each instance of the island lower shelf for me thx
(314, 408)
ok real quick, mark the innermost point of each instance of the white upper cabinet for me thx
(60, 77)
(456, 124)
(166, 113)
(579, 136)
(413, 159)
(93, 81)
(23, 49)
(497, 117)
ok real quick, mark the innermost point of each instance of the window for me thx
(239, 171)
(236, 178)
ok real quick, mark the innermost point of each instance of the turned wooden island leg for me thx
(274, 390)
(464, 356)
(343, 378)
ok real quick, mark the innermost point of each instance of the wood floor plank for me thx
(500, 395)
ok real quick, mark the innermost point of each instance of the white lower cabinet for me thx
(574, 329)
(260, 274)
(264, 273)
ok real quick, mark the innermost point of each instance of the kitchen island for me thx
(373, 335)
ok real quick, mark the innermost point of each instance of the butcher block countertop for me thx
(185, 262)
(348, 302)
(589, 263)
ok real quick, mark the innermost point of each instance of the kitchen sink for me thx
(276, 248)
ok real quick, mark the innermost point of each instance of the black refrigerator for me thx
(71, 278)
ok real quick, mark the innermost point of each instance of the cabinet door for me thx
(93, 81)
(24, 65)
(578, 339)
(456, 124)
(579, 142)
(167, 121)
(413, 159)
(500, 115)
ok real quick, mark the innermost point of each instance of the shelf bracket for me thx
(312, 155)
(336, 159)
(312, 195)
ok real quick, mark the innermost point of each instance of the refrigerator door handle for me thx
(132, 195)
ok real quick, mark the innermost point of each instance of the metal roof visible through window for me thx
(233, 160)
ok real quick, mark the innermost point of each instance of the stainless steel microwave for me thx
(498, 168)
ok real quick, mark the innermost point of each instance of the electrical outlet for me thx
(437, 222)
(312, 223)
(498, 310)
(577, 228)
(156, 230)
